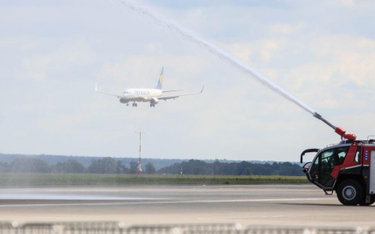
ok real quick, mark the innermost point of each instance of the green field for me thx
(19, 179)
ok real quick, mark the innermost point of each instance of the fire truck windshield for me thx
(323, 166)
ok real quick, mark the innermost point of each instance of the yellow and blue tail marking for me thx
(160, 82)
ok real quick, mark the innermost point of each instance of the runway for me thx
(280, 205)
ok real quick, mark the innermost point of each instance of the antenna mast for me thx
(140, 152)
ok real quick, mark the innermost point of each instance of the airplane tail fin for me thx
(160, 82)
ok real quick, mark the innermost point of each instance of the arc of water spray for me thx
(167, 24)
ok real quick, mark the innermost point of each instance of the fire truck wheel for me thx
(350, 193)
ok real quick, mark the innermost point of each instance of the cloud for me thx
(286, 28)
(37, 66)
(329, 104)
(349, 56)
(58, 57)
(260, 50)
(342, 3)
(18, 44)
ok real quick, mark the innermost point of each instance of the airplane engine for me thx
(154, 100)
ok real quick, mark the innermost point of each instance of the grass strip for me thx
(20, 179)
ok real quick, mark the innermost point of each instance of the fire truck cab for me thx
(348, 168)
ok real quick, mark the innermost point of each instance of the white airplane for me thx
(146, 95)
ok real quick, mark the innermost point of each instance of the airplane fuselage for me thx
(140, 95)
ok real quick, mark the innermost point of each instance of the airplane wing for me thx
(111, 94)
(177, 96)
(173, 90)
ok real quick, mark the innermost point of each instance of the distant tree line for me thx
(86, 160)
(106, 165)
(110, 165)
(197, 167)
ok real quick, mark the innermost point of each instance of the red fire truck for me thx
(347, 168)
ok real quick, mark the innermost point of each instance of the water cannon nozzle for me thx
(343, 134)
(340, 131)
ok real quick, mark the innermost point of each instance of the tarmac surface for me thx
(277, 205)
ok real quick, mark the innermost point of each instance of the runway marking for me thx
(168, 202)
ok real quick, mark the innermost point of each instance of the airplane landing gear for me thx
(152, 105)
(135, 104)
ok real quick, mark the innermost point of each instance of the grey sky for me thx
(52, 53)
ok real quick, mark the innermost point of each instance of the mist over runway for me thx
(293, 205)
